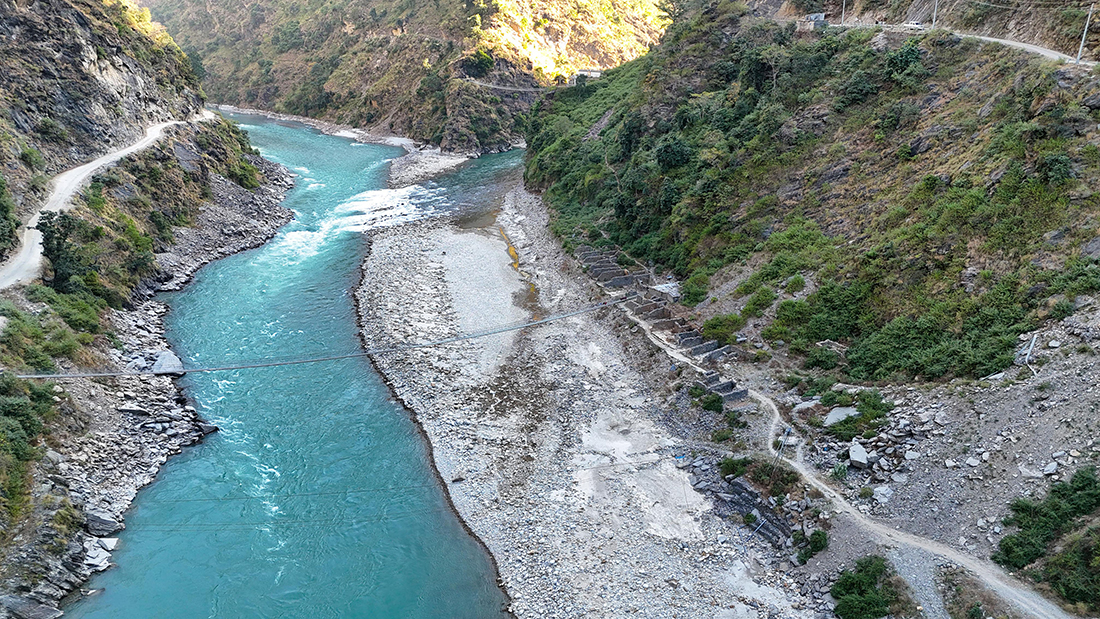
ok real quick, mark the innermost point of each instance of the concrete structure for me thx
(811, 22)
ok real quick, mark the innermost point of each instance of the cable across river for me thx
(361, 353)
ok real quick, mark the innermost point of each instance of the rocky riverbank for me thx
(117, 432)
(551, 439)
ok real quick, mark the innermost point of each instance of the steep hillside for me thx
(398, 65)
(918, 202)
(77, 79)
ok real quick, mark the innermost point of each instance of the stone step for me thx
(724, 387)
(621, 281)
(665, 325)
(691, 342)
(735, 396)
(712, 378)
(717, 354)
(606, 276)
(659, 313)
(704, 348)
(683, 335)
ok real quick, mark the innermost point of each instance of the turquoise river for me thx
(317, 498)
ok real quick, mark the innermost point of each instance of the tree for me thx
(56, 246)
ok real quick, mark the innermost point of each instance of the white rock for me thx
(839, 414)
(972, 461)
(857, 455)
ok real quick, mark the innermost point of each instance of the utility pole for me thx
(1084, 34)
(935, 11)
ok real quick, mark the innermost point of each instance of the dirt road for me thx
(1012, 591)
(26, 265)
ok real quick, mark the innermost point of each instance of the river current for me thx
(317, 498)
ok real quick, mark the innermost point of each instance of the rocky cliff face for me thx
(399, 66)
(79, 78)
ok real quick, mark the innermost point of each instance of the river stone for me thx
(23, 608)
(168, 363)
(101, 524)
(839, 414)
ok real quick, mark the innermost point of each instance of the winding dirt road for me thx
(26, 265)
(1012, 591)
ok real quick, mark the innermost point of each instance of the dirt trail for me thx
(1007, 588)
(26, 265)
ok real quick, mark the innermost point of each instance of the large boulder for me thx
(168, 363)
(101, 524)
(857, 456)
(839, 414)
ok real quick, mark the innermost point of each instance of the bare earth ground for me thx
(549, 439)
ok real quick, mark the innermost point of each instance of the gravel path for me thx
(918, 568)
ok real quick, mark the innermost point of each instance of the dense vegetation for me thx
(1051, 543)
(867, 592)
(399, 64)
(934, 192)
(8, 221)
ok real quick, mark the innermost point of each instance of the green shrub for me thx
(795, 284)
(8, 222)
(1074, 571)
(749, 519)
(776, 479)
(478, 64)
(80, 310)
(1062, 309)
(821, 357)
(32, 158)
(244, 174)
(864, 593)
(723, 328)
(759, 302)
(694, 289)
(736, 467)
(1040, 523)
(818, 541)
(51, 130)
(711, 402)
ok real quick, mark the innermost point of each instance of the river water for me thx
(317, 498)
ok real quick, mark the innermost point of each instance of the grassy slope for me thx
(937, 192)
(394, 64)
